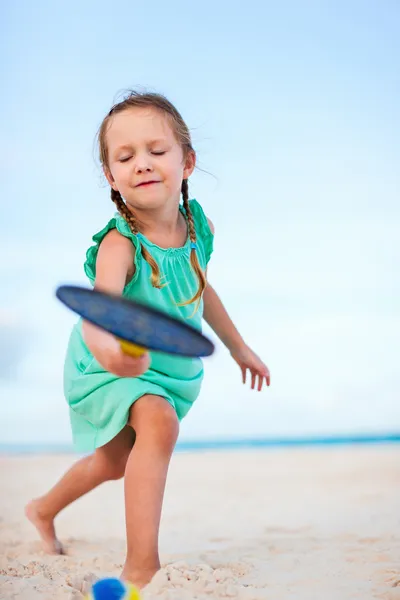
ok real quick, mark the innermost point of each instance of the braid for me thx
(194, 261)
(124, 211)
(133, 226)
(185, 198)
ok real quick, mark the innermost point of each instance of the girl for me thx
(125, 411)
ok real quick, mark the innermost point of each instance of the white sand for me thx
(298, 524)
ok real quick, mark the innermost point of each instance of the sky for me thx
(294, 110)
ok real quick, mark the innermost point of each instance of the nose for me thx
(143, 164)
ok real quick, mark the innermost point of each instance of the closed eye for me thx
(125, 159)
(158, 153)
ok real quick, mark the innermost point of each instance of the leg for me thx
(156, 425)
(107, 462)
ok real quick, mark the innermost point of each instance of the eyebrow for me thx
(129, 146)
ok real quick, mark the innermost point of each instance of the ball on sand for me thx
(113, 589)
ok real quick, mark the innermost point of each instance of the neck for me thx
(163, 220)
(164, 226)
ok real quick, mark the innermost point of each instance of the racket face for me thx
(134, 322)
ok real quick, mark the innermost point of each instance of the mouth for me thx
(146, 183)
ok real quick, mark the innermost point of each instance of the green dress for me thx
(99, 401)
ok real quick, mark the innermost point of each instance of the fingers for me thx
(260, 382)
(253, 379)
(258, 372)
(136, 366)
(124, 365)
(257, 378)
(254, 376)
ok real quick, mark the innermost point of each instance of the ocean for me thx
(226, 444)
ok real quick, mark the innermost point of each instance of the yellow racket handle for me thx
(132, 349)
(133, 592)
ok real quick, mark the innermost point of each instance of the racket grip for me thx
(132, 349)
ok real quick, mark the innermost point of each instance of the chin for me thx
(146, 203)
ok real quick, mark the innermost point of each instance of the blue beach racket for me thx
(138, 327)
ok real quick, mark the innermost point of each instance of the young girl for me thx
(125, 411)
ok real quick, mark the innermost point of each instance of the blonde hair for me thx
(182, 134)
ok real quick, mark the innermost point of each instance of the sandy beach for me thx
(306, 523)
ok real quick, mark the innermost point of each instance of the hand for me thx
(116, 361)
(247, 359)
(107, 351)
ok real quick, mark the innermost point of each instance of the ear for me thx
(110, 178)
(190, 164)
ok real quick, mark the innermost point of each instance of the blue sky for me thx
(294, 112)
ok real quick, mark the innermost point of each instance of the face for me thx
(145, 161)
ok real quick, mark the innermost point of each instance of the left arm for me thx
(216, 315)
(220, 322)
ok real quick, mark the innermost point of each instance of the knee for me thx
(155, 420)
(105, 468)
(116, 471)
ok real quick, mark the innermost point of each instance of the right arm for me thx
(114, 267)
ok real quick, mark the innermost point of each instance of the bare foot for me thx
(44, 527)
(138, 578)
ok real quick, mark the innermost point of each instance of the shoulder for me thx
(115, 251)
(116, 238)
(114, 248)
(200, 216)
(114, 241)
(204, 229)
